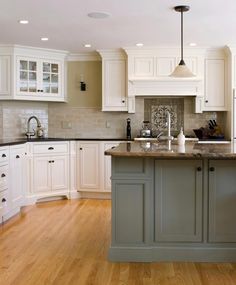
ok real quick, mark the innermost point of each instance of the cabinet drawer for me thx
(4, 155)
(50, 148)
(4, 172)
(4, 203)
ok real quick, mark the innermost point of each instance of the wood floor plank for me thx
(66, 242)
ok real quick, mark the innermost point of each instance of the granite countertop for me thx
(161, 150)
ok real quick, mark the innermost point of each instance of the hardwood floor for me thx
(66, 242)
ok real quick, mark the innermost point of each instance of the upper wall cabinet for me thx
(114, 81)
(35, 74)
(215, 93)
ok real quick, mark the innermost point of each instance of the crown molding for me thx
(84, 56)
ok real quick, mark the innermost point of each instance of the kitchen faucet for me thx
(169, 137)
(32, 133)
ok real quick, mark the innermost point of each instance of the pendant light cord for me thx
(182, 36)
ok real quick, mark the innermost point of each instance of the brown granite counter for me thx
(164, 150)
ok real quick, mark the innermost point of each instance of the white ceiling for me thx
(152, 22)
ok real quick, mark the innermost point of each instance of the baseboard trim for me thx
(171, 254)
(95, 195)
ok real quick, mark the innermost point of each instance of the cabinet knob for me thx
(3, 175)
(199, 168)
(50, 148)
(3, 155)
(41, 90)
(38, 90)
(53, 161)
(212, 168)
(123, 101)
(4, 200)
(206, 101)
(80, 148)
(49, 161)
(17, 156)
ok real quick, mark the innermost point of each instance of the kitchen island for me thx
(172, 203)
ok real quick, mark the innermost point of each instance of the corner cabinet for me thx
(32, 74)
(114, 81)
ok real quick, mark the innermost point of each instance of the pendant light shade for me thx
(182, 70)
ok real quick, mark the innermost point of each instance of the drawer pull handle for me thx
(3, 200)
(17, 156)
(199, 168)
(212, 168)
(3, 175)
(50, 148)
(3, 155)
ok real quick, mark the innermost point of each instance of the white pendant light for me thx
(181, 69)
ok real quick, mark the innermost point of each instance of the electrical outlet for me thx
(108, 125)
(66, 125)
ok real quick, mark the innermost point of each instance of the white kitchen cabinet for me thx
(215, 95)
(33, 74)
(17, 175)
(5, 61)
(107, 165)
(39, 78)
(48, 170)
(88, 166)
(114, 81)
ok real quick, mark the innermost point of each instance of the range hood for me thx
(166, 87)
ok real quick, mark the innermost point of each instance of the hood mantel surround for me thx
(149, 70)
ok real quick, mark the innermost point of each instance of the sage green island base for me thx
(173, 209)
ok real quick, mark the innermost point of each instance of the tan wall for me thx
(92, 74)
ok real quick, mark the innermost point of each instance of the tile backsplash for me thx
(61, 120)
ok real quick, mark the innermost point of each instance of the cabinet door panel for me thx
(17, 174)
(144, 67)
(107, 166)
(115, 84)
(214, 84)
(4, 75)
(222, 201)
(60, 173)
(89, 166)
(41, 174)
(165, 65)
(178, 200)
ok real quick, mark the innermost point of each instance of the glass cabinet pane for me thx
(46, 67)
(54, 68)
(32, 76)
(32, 65)
(23, 75)
(23, 64)
(23, 86)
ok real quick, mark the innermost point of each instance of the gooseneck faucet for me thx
(169, 137)
(32, 133)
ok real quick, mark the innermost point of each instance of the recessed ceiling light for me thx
(87, 45)
(23, 22)
(44, 39)
(192, 44)
(139, 45)
(98, 15)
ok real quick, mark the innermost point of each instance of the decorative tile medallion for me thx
(155, 112)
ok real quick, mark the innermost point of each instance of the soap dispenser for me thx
(181, 137)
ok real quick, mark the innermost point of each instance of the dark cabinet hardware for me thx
(17, 156)
(3, 155)
(199, 168)
(80, 148)
(212, 168)
(4, 200)
(206, 101)
(38, 90)
(123, 101)
(49, 161)
(50, 148)
(3, 175)
(113, 147)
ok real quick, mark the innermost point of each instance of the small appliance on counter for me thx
(128, 129)
(146, 131)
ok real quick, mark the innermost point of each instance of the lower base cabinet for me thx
(178, 200)
(222, 201)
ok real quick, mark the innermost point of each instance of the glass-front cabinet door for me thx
(39, 79)
(27, 76)
(50, 72)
